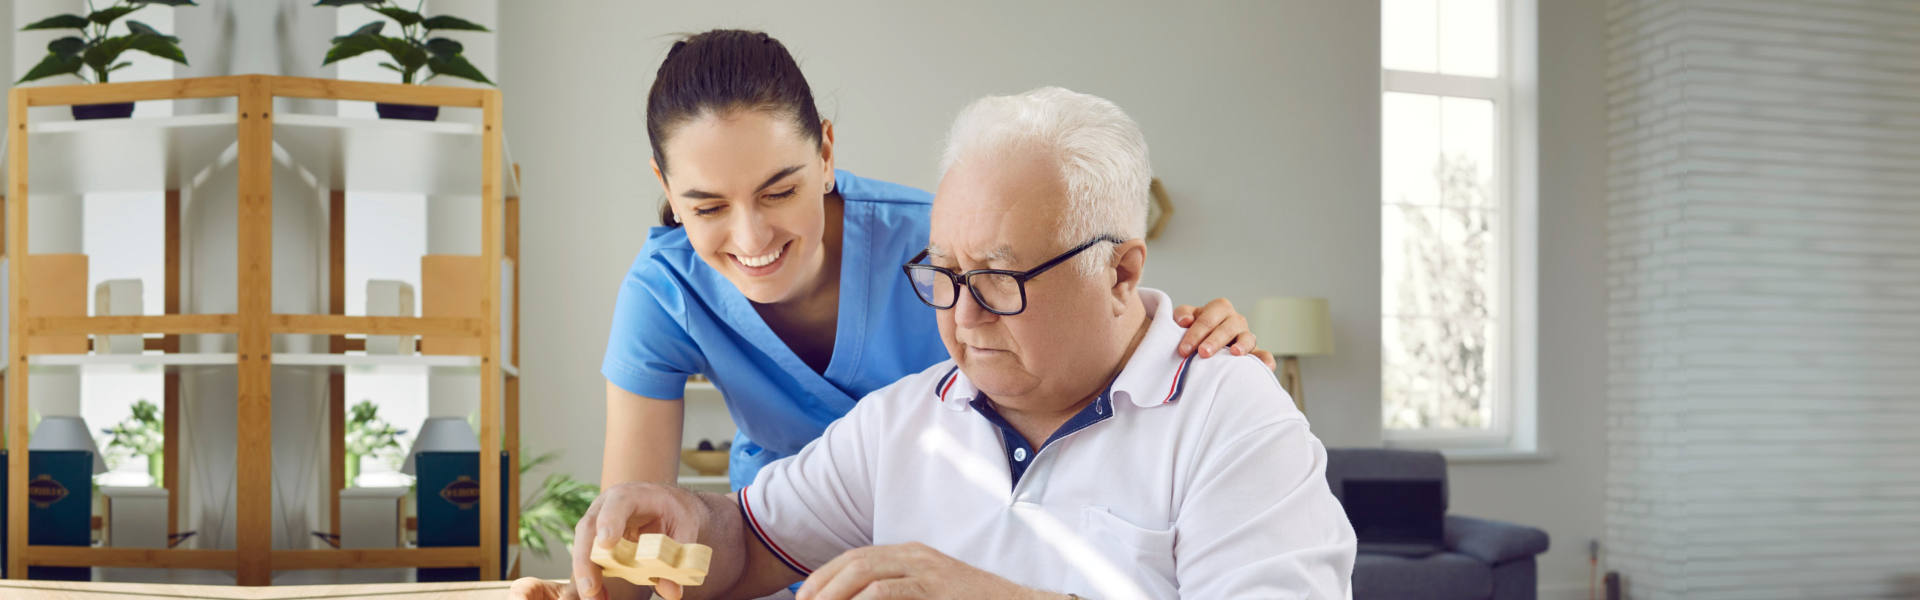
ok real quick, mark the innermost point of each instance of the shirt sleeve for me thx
(1260, 520)
(649, 351)
(810, 507)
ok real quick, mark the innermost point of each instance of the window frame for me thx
(1513, 376)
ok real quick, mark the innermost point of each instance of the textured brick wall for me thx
(1764, 273)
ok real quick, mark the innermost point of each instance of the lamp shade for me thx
(1293, 326)
(442, 434)
(66, 433)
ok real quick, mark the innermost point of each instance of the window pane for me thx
(1409, 145)
(1409, 35)
(1470, 37)
(1437, 330)
(1467, 147)
(1439, 261)
(1435, 387)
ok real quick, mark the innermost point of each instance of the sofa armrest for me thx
(1493, 542)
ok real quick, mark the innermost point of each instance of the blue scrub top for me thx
(676, 316)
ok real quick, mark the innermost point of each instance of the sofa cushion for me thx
(1383, 463)
(1443, 576)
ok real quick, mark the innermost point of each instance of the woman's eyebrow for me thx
(692, 194)
(777, 177)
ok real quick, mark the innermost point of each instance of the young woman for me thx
(774, 275)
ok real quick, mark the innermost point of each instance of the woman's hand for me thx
(534, 588)
(621, 512)
(1217, 327)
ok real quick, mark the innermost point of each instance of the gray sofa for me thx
(1483, 560)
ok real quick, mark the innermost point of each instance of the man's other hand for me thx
(907, 571)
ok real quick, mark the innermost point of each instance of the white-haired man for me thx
(1066, 450)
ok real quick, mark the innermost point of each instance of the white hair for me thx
(1102, 156)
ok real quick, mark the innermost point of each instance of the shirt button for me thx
(1019, 454)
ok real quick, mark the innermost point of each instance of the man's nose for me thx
(967, 311)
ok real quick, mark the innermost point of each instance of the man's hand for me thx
(909, 571)
(626, 511)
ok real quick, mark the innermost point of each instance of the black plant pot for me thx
(117, 110)
(410, 112)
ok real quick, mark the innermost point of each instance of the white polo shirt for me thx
(1185, 479)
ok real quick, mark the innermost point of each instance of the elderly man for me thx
(1066, 450)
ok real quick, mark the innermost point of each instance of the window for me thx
(1450, 234)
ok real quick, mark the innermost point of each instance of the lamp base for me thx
(1290, 381)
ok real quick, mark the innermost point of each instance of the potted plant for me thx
(367, 435)
(141, 434)
(413, 49)
(94, 50)
(553, 509)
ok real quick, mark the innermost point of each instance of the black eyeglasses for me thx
(1000, 292)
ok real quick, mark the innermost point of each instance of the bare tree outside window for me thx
(1455, 328)
(1436, 350)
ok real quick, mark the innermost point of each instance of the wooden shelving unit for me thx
(254, 131)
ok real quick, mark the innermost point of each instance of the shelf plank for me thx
(126, 155)
(133, 91)
(133, 325)
(338, 89)
(363, 155)
(344, 325)
(388, 155)
(378, 558)
(153, 558)
(171, 360)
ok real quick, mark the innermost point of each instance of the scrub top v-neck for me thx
(676, 317)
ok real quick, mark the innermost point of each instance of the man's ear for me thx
(1129, 266)
(662, 178)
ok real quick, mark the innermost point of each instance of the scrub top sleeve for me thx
(649, 351)
(812, 506)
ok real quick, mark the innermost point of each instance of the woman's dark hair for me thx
(720, 72)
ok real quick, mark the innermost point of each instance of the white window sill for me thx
(1494, 455)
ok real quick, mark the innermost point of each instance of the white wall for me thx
(1263, 120)
(1764, 276)
(1564, 494)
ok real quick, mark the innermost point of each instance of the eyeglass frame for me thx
(1020, 278)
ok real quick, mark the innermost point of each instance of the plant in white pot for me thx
(96, 51)
(368, 435)
(415, 48)
(142, 434)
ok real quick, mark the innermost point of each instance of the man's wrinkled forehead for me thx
(991, 208)
(1001, 254)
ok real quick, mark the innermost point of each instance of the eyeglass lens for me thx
(998, 292)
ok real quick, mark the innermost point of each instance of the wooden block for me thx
(452, 285)
(652, 558)
(57, 287)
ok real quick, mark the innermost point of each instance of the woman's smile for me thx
(762, 265)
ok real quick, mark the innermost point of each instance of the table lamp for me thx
(66, 433)
(1291, 328)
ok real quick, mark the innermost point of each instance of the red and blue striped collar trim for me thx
(945, 392)
(1179, 385)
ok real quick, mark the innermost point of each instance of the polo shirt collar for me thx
(1154, 375)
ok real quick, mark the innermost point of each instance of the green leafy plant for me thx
(553, 509)
(142, 434)
(93, 49)
(414, 48)
(368, 435)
